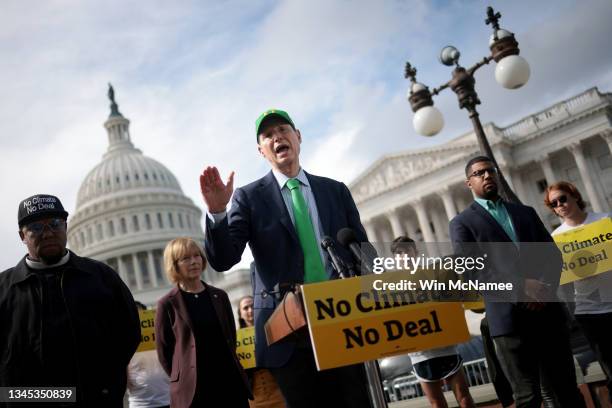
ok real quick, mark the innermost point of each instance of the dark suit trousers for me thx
(500, 382)
(303, 386)
(596, 328)
(539, 352)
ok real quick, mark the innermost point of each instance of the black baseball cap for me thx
(39, 206)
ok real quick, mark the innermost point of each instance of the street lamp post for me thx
(512, 71)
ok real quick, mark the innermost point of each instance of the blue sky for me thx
(193, 76)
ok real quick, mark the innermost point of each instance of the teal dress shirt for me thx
(498, 211)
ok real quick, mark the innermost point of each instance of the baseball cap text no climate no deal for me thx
(39, 206)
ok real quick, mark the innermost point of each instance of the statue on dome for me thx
(114, 107)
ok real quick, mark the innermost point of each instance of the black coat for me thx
(475, 232)
(104, 322)
(258, 216)
(176, 343)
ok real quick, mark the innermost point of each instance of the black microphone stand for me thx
(372, 368)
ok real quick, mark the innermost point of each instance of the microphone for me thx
(327, 243)
(348, 239)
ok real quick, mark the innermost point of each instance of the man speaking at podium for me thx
(282, 217)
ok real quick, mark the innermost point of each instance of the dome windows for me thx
(171, 220)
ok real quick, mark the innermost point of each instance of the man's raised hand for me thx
(216, 194)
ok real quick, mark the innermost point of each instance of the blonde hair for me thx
(175, 250)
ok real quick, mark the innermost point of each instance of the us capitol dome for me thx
(128, 207)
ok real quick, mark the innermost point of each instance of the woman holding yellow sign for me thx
(593, 294)
(196, 335)
(266, 393)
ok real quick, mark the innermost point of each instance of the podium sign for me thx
(350, 322)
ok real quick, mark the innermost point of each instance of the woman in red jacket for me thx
(196, 335)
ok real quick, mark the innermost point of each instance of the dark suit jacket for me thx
(259, 217)
(536, 257)
(175, 341)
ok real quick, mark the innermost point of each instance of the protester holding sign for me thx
(530, 335)
(65, 320)
(436, 366)
(266, 393)
(148, 384)
(196, 335)
(593, 294)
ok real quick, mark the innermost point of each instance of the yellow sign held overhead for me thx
(586, 250)
(350, 322)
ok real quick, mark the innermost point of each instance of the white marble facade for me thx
(128, 207)
(417, 192)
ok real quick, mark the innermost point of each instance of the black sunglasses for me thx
(558, 201)
(480, 173)
(56, 224)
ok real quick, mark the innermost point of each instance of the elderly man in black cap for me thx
(66, 321)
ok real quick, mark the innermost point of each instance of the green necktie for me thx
(314, 271)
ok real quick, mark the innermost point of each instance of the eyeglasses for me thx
(558, 201)
(55, 224)
(481, 173)
(187, 259)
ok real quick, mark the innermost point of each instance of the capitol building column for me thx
(396, 224)
(607, 135)
(152, 274)
(549, 174)
(121, 267)
(409, 227)
(386, 235)
(449, 204)
(370, 230)
(137, 271)
(583, 169)
(419, 207)
(440, 224)
(517, 182)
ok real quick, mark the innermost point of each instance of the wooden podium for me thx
(287, 319)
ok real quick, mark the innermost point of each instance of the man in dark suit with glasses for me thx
(528, 325)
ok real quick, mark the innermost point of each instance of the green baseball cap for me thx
(272, 112)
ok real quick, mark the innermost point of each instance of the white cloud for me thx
(193, 76)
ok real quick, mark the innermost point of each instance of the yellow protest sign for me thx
(350, 321)
(586, 250)
(477, 306)
(245, 347)
(147, 330)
